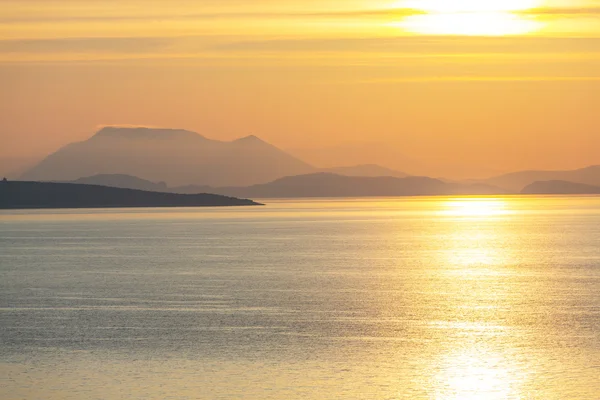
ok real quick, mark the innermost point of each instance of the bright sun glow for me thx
(471, 6)
(475, 208)
(477, 373)
(470, 17)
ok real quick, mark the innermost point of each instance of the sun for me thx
(471, 6)
(470, 17)
(469, 24)
(475, 207)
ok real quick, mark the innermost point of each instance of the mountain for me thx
(332, 185)
(20, 195)
(390, 154)
(516, 181)
(560, 187)
(122, 181)
(365, 170)
(177, 157)
(355, 153)
(321, 184)
(14, 167)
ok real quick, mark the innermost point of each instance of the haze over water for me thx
(431, 298)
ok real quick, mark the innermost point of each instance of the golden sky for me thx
(439, 86)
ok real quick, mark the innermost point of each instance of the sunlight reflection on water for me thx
(443, 298)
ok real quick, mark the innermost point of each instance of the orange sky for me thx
(430, 86)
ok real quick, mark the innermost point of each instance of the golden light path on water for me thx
(471, 368)
(453, 298)
(470, 17)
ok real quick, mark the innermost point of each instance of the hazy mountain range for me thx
(15, 167)
(516, 181)
(333, 185)
(311, 185)
(177, 157)
(560, 187)
(372, 170)
(122, 181)
(180, 161)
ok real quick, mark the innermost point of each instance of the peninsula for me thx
(28, 195)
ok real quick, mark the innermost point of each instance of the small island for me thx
(560, 188)
(32, 195)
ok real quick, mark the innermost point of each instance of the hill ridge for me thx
(174, 156)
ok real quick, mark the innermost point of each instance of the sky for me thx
(463, 88)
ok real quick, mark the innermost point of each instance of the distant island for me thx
(185, 162)
(174, 156)
(518, 181)
(560, 187)
(325, 184)
(321, 184)
(333, 185)
(32, 195)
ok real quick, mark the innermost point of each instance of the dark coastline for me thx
(40, 195)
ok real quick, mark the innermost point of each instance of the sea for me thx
(385, 298)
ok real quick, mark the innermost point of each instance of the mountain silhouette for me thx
(14, 167)
(122, 181)
(21, 195)
(333, 185)
(372, 170)
(516, 181)
(177, 157)
(560, 187)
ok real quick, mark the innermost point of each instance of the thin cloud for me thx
(425, 79)
(361, 13)
(395, 12)
(421, 45)
(86, 45)
(228, 47)
(559, 11)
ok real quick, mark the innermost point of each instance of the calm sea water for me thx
(434, 298)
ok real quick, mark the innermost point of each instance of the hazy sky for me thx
(442, 86)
